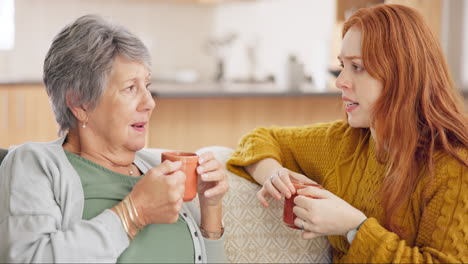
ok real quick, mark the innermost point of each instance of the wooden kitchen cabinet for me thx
(190, 123)
(4, 117)
(26, 115)
(185, 123)
(344, 6)
(431, 10)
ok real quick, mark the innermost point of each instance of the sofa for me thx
(255, 234)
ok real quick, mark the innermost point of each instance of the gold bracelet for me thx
(130, 213)
(132, 236)
(212, 235)
(140, 225)
(122, 219)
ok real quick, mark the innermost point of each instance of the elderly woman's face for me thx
(121, 118)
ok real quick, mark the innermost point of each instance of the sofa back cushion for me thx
(254, 234)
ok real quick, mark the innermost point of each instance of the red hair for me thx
(419, 111)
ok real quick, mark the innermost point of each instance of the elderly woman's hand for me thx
(325, 214)
(158, 196)
(212, 184)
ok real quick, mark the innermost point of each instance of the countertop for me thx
(210, 89)
(162, 89)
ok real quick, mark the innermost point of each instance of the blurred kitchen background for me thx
(220, 67)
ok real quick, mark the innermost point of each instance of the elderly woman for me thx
(94, 195)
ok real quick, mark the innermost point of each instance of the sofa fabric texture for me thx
(255, 234)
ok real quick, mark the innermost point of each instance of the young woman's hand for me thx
(279, 185)
(325, 214)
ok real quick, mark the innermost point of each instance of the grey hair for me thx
(79, 61)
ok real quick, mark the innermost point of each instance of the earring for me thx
(84, 123)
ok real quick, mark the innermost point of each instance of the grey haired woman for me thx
(94, 195)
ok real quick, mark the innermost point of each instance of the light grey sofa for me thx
(3, 153)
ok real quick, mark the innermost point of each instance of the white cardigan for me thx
(41, 208)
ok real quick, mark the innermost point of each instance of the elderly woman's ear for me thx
(80, 111)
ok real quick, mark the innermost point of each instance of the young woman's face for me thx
(359, 90)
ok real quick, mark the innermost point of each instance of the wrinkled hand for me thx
(158, 196)
(212, 184)
(279, 185)
(325, 214)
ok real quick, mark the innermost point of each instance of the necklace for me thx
(128, 167)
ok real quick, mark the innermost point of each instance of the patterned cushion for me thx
(255, 234)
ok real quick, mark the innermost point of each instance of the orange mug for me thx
(189, 167)
(288, 214)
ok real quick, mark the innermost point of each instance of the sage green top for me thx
(103, 188)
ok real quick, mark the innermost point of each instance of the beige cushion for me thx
(255, 234)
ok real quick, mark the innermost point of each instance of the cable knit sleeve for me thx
(442, 233)
(310, 150)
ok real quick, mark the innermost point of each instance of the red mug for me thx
(288, 215)
(189, 167)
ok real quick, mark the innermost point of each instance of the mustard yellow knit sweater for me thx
(342, 159)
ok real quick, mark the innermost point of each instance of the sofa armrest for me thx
(3, 153)
(254, 234)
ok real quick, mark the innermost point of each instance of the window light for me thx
(7, 24)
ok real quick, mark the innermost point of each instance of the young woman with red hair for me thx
(395, 172)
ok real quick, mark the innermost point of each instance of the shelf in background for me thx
(167, 89)
(173, 89)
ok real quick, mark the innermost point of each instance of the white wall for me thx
(177, 34)
(174, 33)
(280, 27)
(455, 40)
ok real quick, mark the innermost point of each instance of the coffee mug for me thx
(189, 167)
(288, 215)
